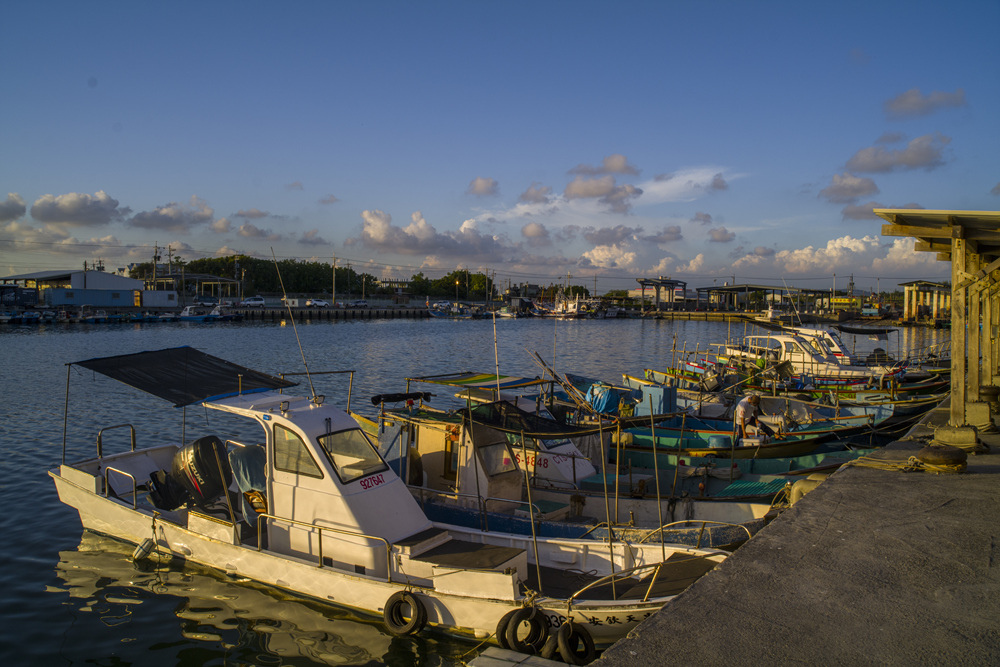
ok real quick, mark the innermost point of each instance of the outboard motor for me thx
(196, 467)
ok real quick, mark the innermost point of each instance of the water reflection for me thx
(220, 619)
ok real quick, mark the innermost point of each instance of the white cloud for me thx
(612, 164)
(251, 214)
(250, 231)
(76, 209)
(926, 152)
(589, 188)
(847, 188)
(680, 186)
(902, 257)
(175, 217)
(842, 255)
(611, 257)
(915, 103)
(312, 237)
(483, 187)
(12, 208)
(419, 228)
(694, 265)
(720, 235)
(536, 234)
(221, 226)
(536, 194)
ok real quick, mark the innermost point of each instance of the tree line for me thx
(261, 276)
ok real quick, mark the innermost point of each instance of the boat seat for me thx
(746, 488)
(470, 555)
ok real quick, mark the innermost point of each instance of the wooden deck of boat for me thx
(678, 572)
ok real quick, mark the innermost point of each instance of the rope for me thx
(912, 464)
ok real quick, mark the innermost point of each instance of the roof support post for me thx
(992, 320)
(958, 333)
(972, 262)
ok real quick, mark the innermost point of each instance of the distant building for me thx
(90, 288)
(397, 285)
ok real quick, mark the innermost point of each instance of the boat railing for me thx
(539, 482)
(531, 507)
(482, 504)
(350, 381)
(100, 437)
(107, 483)
(263, 516)
(702, 524)
(629, 576)
(426, 491)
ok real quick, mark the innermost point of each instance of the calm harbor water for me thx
(75, 598)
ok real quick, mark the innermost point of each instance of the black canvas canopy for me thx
(865, 331)
(183, 375)
(506, 417)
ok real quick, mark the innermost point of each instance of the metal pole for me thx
(656, 473)
(69, 367)
(531, 513)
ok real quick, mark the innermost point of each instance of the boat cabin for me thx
(482, 461)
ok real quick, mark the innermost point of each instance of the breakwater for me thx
(329, 314)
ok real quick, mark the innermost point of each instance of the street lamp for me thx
(456, 290)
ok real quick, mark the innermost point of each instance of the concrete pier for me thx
(874, 567)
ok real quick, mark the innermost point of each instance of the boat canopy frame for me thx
(182, 375)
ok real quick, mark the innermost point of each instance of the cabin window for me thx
(352, 454)
(496, 459)
(291, 455)
(451, 459)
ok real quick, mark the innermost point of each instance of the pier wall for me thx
(329, 314)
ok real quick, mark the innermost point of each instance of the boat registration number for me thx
(372, 482)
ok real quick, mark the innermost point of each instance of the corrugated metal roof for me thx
(44, 275)
(934, 229)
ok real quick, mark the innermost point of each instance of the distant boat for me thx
(198, 314)
(456, 310)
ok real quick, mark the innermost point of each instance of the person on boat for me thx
(748, 414)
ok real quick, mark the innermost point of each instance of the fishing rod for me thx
(291, 316)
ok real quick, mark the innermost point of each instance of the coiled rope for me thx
(912, 464)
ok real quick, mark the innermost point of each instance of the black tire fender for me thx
(396, 622)
(576, 646)
(502, 628)
(942, 455)
(550, 649)
(538, 631)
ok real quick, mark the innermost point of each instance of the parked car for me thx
(252, 302)
(360, 303)
(317, 303)
(209, 301)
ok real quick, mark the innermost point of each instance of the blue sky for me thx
(606, 141)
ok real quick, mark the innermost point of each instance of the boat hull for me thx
(212, 543)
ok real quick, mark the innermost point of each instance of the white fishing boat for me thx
(808, 358)
(315, 510)
(508, 466)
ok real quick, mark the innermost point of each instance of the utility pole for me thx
(156, 258)
(333, 291)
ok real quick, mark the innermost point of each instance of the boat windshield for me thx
(352, 454)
